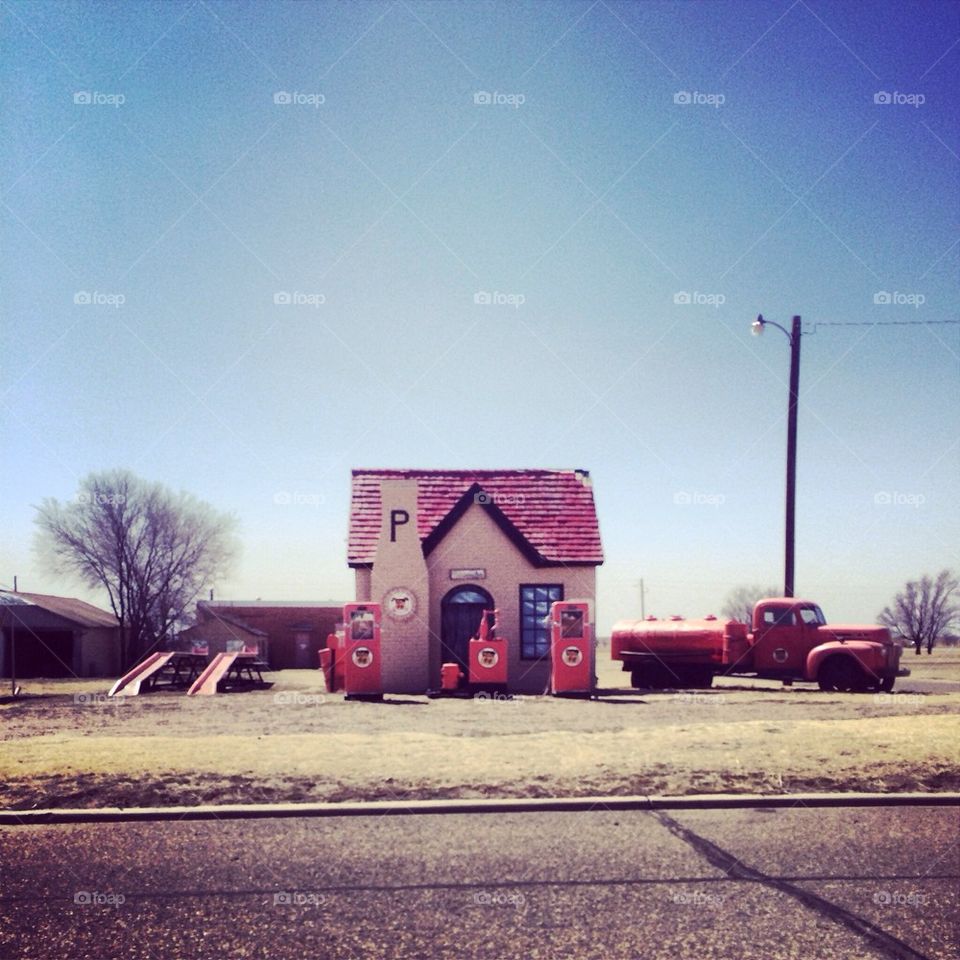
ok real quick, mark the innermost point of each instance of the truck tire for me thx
(886, 684)
(842, 674)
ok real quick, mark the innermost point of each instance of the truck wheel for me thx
(886, 684)
(841, 673)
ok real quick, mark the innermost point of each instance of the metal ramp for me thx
(230, 671)
(169, 668)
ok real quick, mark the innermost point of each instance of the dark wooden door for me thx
(460, 615)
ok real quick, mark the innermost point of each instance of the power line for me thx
(883, 323)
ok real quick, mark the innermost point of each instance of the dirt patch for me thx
(75, 748)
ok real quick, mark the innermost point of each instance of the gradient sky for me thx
(384, 199)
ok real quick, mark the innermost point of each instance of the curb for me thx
(380, 808)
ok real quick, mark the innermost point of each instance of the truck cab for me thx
(792, 639)
(784, 632)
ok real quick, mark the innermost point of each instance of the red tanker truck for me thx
(790, 640)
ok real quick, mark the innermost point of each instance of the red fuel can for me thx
(450, 677)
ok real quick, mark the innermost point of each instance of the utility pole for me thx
(793, 335)
(643, 601)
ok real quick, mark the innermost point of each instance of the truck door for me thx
(779, 648)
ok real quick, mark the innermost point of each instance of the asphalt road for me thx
(854, 883)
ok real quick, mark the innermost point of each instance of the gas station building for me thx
(435, 548)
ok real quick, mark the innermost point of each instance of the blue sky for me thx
(629, 183)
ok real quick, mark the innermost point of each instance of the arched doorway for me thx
(460, 613)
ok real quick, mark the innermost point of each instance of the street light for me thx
(793, 335)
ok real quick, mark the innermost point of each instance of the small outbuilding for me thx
(56, 637)
(287, 633)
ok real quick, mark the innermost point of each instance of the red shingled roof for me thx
(549, 514)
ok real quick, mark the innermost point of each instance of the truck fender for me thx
(865, 653)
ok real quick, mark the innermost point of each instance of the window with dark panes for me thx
(535, 600)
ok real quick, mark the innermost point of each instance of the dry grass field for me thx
(65, 744)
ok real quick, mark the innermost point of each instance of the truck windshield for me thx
(812, 615)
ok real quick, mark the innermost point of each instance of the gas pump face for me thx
(571, 624)
(361, 625)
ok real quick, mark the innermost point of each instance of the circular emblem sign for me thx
(400, 603)
(780, 655)
(571, 656)
(362, 656)
(488, 657)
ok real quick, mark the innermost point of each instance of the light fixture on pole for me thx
(793, 335)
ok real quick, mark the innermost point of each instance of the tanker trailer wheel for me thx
(841, 673)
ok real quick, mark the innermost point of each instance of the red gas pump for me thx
(572, 658)
(487, 657)
(361, 652)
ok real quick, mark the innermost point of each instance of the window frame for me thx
(522, 628)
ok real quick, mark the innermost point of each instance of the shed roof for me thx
(77, 611)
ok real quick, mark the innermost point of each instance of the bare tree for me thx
(739, 602)
(924, 610)
(152, 549)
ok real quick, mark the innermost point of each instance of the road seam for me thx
(737, 870)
